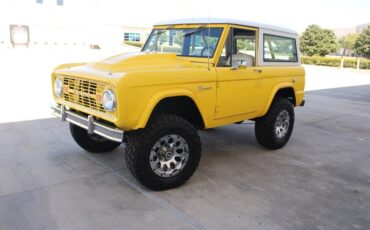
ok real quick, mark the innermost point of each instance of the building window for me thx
(132, 37)
(59, 2)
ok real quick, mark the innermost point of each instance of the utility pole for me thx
(342, 60)
(358, 62)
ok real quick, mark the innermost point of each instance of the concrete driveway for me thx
(320, 180)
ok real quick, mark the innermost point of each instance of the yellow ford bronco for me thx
(190, 74)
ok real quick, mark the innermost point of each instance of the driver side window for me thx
(239, 49)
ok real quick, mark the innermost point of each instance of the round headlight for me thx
(109, 100)
(58, 87)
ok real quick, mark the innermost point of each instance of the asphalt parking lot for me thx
(320, 180)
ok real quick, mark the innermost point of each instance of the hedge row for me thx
(335, 62)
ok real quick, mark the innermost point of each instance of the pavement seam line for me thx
(56, 184)
(164, 204)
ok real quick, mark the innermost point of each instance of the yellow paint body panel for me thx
(223, 96)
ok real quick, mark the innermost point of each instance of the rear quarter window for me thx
(279, 49)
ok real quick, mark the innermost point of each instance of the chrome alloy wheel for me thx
(282, 124)
(169, 155)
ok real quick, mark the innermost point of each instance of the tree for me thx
(362, 44)
(318, 41)
(348, 41)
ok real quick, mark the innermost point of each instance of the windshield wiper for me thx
(162, 30)
(159, 32)
(191, 32)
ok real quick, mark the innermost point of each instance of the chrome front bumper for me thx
(88, 123)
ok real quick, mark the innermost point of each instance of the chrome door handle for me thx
(258, 70)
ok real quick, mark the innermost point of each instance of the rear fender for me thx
(273, 94)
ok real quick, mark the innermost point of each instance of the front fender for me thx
(156, 98)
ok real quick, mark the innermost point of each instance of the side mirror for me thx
(241, 64)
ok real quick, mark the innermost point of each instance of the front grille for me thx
(83, 92)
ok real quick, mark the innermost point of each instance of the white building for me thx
(65, 23)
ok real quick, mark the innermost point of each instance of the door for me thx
(239, 80)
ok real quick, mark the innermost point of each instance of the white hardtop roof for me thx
(224, 21)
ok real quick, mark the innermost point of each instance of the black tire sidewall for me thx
(289, 108)
(84, 140)
(177, 131)
(141, 168)
(265, 126)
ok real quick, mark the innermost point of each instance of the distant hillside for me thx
(340, 32)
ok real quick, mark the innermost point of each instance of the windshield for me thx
(192, 42)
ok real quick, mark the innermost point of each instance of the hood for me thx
(124, 62)
(116, 66)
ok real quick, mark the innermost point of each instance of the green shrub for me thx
(335, 62)
(137, 44)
